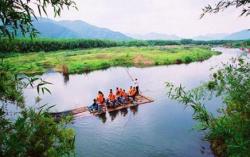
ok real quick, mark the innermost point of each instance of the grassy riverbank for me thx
(78, 61)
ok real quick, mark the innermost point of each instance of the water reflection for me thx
(102, 117)
(134, 109)
(124, 112)
(114, 114)
(65, 78)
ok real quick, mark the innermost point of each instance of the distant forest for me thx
(24, 45)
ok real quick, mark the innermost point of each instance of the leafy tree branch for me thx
(244, 5)
(16, 16)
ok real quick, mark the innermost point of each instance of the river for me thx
(161, 128)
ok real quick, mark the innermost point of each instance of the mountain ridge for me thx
(49, 28)
(75, 29)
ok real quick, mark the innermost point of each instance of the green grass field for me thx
(86, 60)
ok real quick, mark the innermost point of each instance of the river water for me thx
(161, 128)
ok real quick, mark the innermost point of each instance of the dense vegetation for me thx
(30, 131)
(92, 59)
(27, 45)
(228, 130)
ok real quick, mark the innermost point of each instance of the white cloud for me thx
(179, 17)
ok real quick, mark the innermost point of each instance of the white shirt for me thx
(136, 83)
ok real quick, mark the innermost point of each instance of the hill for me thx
(218, 36)
(75, 29)
(241, 35)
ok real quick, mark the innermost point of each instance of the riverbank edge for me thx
(63, 68)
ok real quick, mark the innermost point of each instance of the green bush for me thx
(228, 131)
(31, 132)
(35, 134)
(188, 59)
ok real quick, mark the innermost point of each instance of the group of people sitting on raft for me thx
(120, 97)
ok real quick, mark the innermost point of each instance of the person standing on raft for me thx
(136, 83)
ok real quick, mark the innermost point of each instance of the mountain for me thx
(218, 36)
(154, 36)
(241, 35)
(75, 29)
(90, 31)
(50, 29)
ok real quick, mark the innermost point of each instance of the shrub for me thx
(32, 132)
(188, 59)
(228, 131)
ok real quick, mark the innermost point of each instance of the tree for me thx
(17, 15)
(224, 4)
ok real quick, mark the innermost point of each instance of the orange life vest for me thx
(124, 94)
(133, 92)
(117, 92)
(130, 91)
(111, 97)
(100, 99)
(120, 92)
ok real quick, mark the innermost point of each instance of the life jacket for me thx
(118, 92)
(130, 91)
(124, 94)
(133, 93)
(100, 99)
(111, 97)
(121, 93)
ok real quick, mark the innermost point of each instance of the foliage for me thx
(9, 86)
(242, 44)
(186, 41)
(12, 84)
(224, 4)
(17, 15)
(35, 133)
(36, 45)
(230, 127)
(24, 45)
(32, 132)
(93, 59)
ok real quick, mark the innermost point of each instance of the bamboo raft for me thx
(139, 100)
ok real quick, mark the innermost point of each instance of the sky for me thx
(179, 17)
